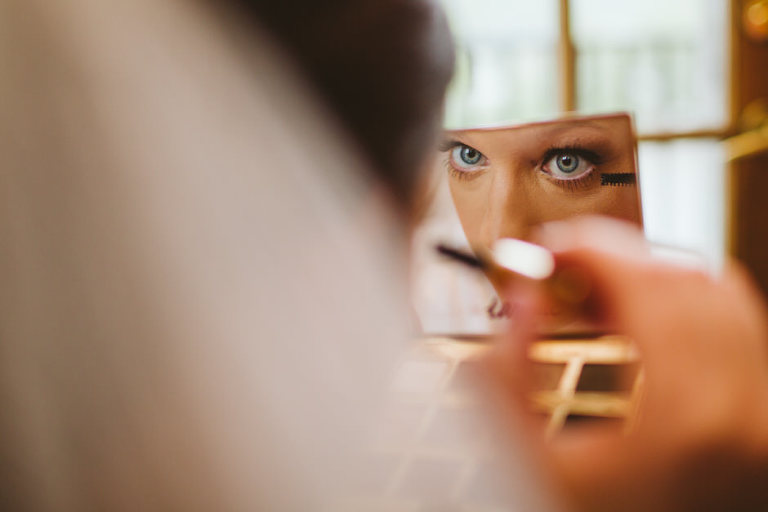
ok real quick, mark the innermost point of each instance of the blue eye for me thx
(467, 159)
(469, 156)
(567, 165)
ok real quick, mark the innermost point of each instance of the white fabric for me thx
(199, 300)
(198, 297)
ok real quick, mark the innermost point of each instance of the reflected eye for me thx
(568, 165)
(467, 159)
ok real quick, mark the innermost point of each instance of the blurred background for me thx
(694, 74)
(664, 61)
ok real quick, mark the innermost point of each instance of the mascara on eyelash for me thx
(618, 179)
(448, 144)
(580, 151)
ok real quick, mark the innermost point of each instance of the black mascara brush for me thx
(461, 256)
(515, 259)
(618, 179)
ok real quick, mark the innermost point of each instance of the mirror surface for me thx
(502, 182)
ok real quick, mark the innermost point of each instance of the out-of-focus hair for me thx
(381, 66)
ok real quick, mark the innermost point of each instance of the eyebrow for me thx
(549, 127)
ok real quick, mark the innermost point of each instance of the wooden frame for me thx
(567, 53)
(574, 354)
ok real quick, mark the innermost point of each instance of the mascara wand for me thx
(513, 259)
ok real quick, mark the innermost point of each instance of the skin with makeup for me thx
(506, 181)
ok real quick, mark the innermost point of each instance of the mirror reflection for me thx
(505, 181)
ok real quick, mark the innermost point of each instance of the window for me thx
(665, 61)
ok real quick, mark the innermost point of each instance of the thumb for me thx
(507, 370)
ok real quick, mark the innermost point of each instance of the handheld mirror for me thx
(502, 182)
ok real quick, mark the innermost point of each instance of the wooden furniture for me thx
(433, 444)
(576, 379)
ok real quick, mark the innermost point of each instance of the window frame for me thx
(567, 68)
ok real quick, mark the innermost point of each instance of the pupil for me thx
(470, 156)
(567, 163)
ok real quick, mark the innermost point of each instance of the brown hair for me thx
(382, 66)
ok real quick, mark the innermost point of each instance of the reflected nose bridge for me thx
(509, 208)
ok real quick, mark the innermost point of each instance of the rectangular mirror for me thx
(501, 182)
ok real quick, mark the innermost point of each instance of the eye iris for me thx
(567, 163)
(469, 155)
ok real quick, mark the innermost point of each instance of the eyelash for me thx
(460, 175)
(576, 184)
(447, 147)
